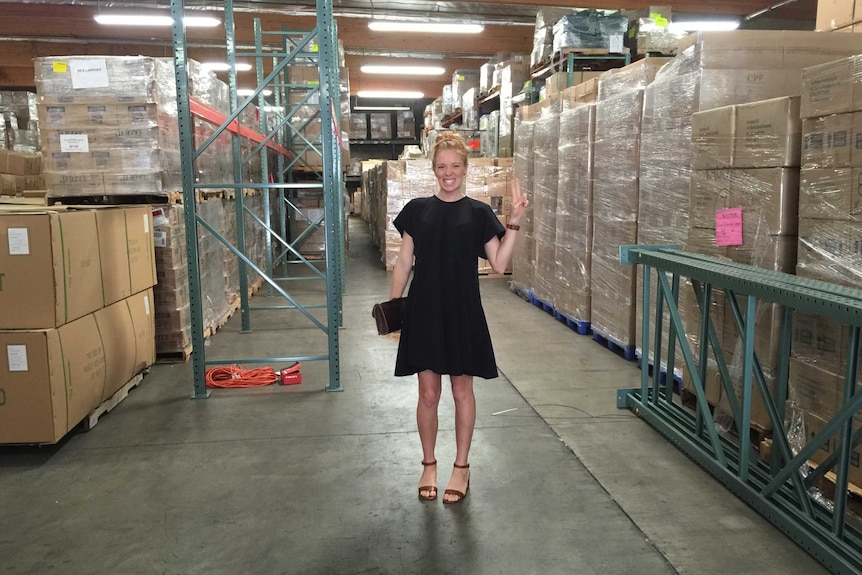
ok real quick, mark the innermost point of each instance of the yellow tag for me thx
(461, 78)
(632, 32)
(661, 22)
(315, 48)
(60, 68)
(313, 83)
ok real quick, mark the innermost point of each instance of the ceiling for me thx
(35, 28)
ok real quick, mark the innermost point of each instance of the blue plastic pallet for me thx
(663, 373)
(582, 327)
(542, 304)
(525, 295)
(615, 345)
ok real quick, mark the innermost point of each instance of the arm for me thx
(403, 265)
(500, 252)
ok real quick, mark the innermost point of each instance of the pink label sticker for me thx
(728, 227)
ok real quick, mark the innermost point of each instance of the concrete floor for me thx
(298, 481)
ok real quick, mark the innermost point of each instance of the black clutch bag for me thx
(389, 315)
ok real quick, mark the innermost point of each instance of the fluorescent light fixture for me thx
(404, 70)
(393, 95)
(249, 92)
(223, 66)
(154, 20)
(380, 108)
(434, 27)
(704, 26)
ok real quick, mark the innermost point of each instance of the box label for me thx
(160, 239)
(19, 242)
(90, 73)
(16, 355)
(616, 43)
(728, 227)
(60, 68)
(160, 218)
(74, 143)
(147, 304)
(146, 224)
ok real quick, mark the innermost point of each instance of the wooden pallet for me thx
(109, 404)
(118, 200)
(179, 356)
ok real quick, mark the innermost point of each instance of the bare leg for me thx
(465, 421)
(426, 420)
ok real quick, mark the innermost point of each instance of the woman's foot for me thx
(459, 484)
(428, 481)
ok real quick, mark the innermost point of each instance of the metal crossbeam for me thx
(778, 487)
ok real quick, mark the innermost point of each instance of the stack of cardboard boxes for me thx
(19, 124)
(546, 142)
(20, 173)
(524, 255)
(839, 16)
(77, 287)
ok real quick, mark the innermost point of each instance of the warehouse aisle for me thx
(299, 481)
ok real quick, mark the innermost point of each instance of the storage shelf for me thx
(214, 116)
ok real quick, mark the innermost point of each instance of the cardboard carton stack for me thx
(543, 34)
(524, 256)
(546, 143)
(591, 29)
(108, 125)
(80, 284)
(574, 241)
(830, 232)
(171, 293)
(19, 123)
(713, 69)
(615, 213)
(20, 172)
(513, 73)
(839, 16)
(744, 203)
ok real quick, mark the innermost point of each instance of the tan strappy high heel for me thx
(428, 487)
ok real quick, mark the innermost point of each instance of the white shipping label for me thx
(616, 43)
(90, 73)
(160, 239)
(16, 355)
(147, 304)
(19, 242)
(160, 218)
(73, 143)
(146, 223)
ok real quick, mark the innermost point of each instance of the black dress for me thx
(444, 326)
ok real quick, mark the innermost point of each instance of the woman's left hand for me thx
(519, 202)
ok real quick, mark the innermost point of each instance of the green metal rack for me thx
(318, 47)
(780, 487)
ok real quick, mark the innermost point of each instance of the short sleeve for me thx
(405, 221)
(489, 226)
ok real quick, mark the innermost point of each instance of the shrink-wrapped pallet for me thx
(524, 257)
(545, 182)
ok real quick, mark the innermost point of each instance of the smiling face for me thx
(449, 167)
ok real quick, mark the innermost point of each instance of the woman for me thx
(444, 329)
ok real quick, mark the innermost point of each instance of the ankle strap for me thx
(462, 466)
(429, 463)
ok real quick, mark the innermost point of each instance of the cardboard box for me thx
(770, 201)
(813, 426)
(51, 379)
(712, 137)
(828, 141)
(767, 134)
(834, 14)
(50, 269)
(19, 164)
(829, 251)
(832, 88)
(126, 250)
(830, 194)
(74, 184)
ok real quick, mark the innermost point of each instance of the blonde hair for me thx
(450, 140)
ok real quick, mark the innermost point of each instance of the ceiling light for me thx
(704, 26)
(404, 70)
(380, 108)
(154, 20)
(393, 95)
(223, 66)
(436, 27)
(249, 92)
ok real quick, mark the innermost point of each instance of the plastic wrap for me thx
(171, 294)
(651, 35)
(462, 81)
(469, 110)
(545, 181)
(590, 29)
(405, 125)
(615, 213)
(486, 77)
(638, 75)
(574, 227)
(211, 255)
(489, 139)
(832, 87)
(543, 34)
(448, 100)
(524, 256)
(829, 142)
(513, 76)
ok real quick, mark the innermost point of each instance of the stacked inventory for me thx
(20, 172)
(80, 284)
(574, 227)
(19, 125)
(713, 69)
(524, 255)
(744, 202)
(546, 143)
(171, 293)
(513, 73)
(588, 29)
(108, 125)
(615, 213)
(830, 233)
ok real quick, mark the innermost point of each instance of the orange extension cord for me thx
(237, 375)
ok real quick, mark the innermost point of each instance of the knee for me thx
(462, 393)
(429, 397)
